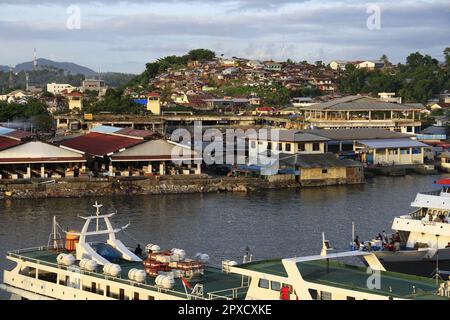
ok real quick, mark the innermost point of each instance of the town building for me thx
(370, 64)
(338, 64)
(57, 88)
(363, 112)
(391, 152)
(154, 103)
(323, 169)
(94, 85)
(345, 140)
(444, 161)
(285, 141)
(74, 101)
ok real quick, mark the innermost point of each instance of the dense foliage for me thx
(114, 102)
(152, 69)
(34, 111)
(416, 81)
(272, 95)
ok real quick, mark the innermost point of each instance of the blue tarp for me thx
(140, 101)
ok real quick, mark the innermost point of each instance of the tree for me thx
(447, 57)
(385, 59)
(201, 55)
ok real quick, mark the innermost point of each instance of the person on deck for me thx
(138, 250)
(357, 243)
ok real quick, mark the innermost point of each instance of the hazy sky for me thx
(124, 35)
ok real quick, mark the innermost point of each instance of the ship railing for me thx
(228, 294)
(415, 215)
(432, 193)
(74, 268)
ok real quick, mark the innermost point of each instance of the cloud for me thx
(284, 29)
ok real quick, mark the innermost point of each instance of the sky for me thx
(122, 36)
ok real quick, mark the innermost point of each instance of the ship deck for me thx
(215, 282)
(353, 277)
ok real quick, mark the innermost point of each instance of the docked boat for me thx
(72, 267)
(421, 242)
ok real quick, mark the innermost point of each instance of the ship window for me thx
(47, 276)
(94, 287)
(151, 298)
(121, 294)
(316, 147)
(351, 298)
(313, 293)
(263, 283)
(301, 147)
(325, 295)
(108, 291)
(288, 147)
(276, 286)
(136, 296)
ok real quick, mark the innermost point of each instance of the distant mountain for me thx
(69, 67)
(4, 68)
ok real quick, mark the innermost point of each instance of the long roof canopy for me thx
(38, 152)
(156, 150)
(362, 103)
(358, 133)
(98, 144)
(392, 143)
(286, 136)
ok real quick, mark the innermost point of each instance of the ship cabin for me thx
(428, 226)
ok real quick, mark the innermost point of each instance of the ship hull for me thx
(415, 262)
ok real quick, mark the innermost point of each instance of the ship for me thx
(73, 267)
(420, 244)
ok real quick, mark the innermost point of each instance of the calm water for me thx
(277, 223)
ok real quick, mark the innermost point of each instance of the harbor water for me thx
(276, 223)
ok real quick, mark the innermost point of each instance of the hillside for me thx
(68, 67)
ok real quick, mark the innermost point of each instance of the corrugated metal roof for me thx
(14, 133)
(105, 129)
(434, 130)
(6, 143)
(321, 160)
(37, 151)
(358, 133)
(155, 149)
(392, 143)
(127, 132)
(98, 144)
(361, 103)
(288, 136)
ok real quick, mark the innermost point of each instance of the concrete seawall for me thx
(80, 187)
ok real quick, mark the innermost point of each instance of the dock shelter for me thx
(156, 157)
(39, 159)
(391, 151)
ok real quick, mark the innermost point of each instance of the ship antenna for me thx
(353, 235)
(97, 206)
(437, 275)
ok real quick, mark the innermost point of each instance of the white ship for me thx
(421, 244)
(75, 268)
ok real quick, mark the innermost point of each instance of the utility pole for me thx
(10, 81)
(34, 60)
